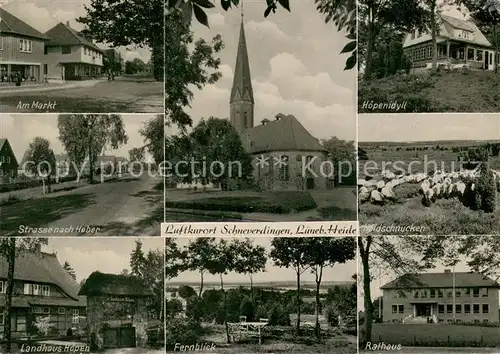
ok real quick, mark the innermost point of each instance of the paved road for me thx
(126, 206)
(114, 96)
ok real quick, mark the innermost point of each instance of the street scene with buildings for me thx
(58, 56)
(77, 174)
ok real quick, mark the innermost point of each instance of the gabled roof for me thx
(99, 284)
(43, 268)
(441, 280)
(446, 29)
(242, 81)
(5, 143)
(11, 24)
(283, 134)
(62, 34)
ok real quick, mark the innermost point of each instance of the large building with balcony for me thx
(44, 292)
(71, 56)
(441, 297)
(21, 49)
(458, 42)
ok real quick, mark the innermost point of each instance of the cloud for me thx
(293, 80)
(216, 20)
(285, 65)
(266, 29)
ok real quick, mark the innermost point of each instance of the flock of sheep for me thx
(439, 185)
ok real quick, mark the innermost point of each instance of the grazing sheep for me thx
(459, 188)
(380, 184)
(426, 185)
(388, 193)
(376, 196)
(428, 197)
(438, 189)
(363, 194)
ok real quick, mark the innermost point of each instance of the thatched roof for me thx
(43, 268)
(98, 284)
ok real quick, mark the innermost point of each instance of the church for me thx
(285, 156)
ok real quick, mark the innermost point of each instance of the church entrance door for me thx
(310, 183)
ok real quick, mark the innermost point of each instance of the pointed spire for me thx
(242, 82)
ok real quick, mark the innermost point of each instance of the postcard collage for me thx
(250, 176)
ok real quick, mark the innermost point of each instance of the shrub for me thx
(247, 309)
(194, 310)
(278, 316)
(486, 189)
(178, 330)
(173, 308)
(185, 292)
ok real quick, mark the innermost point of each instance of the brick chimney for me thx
(67, 23)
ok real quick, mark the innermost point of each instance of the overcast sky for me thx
(428, 127)
(384, 279)
(45, 14)
(295, 66)
(107, 255)
(21, 129)
(340, 272)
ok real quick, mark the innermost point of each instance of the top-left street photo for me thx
(81, 56)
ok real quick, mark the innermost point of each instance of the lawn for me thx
(436, 335)
(473, 91)
(286, 341)
(265, 202)
(41, 211)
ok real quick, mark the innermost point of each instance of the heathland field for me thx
(445, 215)
(438, 335)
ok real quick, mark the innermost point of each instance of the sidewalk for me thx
(50, 87)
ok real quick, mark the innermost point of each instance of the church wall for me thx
(269, 177)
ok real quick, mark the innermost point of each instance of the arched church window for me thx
(245, 119)
(284, 168)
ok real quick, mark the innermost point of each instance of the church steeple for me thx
(242, 101)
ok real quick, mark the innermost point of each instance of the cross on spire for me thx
(241, 10)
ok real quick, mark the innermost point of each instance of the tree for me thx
(153, 133)
(43, 160)
(174, 259)
(221, 263)
(69, 269)
(200, 253)
(123, 23)
(136, 154)
(249, 259)
(87, 135)
(375, 15)
(341, 12)
(292, 253)
(9, 249)
(326, 252)
(149, 268)
(188, 64)
(341, 152)
(486, 14)
(217, 142)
